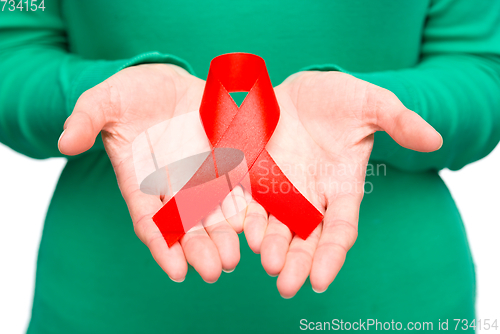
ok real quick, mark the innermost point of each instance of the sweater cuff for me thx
(384, 146)
(88, 74)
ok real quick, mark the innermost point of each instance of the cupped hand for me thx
(121, 108)
(323, 143)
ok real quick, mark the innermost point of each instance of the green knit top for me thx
(411, 261)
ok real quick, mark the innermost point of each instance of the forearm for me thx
(457, 94)
(40, 87)
(33, 104)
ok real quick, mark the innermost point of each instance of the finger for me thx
(142, 207)
(202, 254)
(406, 127)
(225, 239)
(275, 246)
(86, 121)
(234, 208)
(298, 263)
(340, 230)
(255, 225)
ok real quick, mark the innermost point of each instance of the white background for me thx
(29, 183)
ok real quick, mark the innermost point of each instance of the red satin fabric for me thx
(248, 129)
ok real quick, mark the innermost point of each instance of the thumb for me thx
(86, 121)
(406, 127)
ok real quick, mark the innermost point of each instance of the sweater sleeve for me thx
(455, 86)
(40, 81)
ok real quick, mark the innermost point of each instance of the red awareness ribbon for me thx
(248, 129)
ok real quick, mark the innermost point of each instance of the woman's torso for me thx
(411, 261)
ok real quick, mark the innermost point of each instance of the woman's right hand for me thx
(121, 108)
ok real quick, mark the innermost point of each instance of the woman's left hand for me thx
(322, 143)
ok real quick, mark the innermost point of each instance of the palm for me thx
(323, 142)
(329, 149)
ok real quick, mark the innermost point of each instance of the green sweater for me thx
(411, 261)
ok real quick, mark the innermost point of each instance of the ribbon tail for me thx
(277, 194)
(169, 222)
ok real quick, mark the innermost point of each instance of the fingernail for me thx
(228, 271)
(59, 140)
(178, 281)
(66, 123)
(318, 291)
(442, 141)
(285, 297)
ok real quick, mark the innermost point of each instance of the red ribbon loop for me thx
(247, 129)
